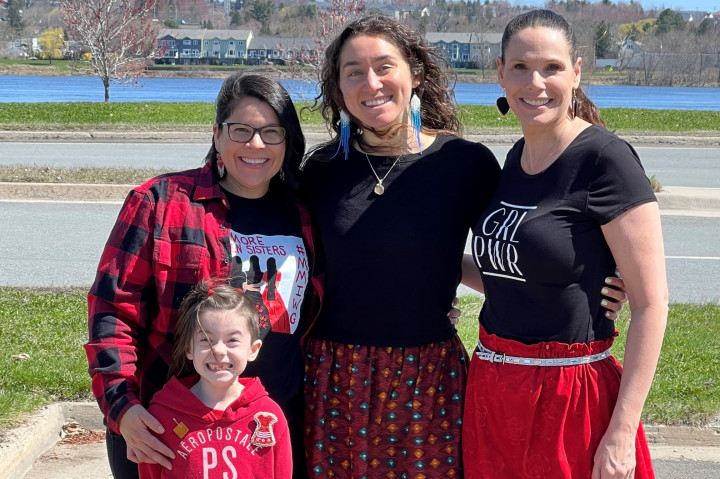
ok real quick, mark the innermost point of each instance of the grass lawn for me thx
(686, 389)
(81, 175)
(200, 115)
(51, 327)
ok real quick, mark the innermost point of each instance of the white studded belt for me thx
(487, 355)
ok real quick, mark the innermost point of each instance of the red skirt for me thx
(384, 412)
(541, 421)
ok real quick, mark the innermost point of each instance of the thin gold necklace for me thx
(379, 188)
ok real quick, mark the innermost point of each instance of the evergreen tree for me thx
(603, 40)
(14, 8)
(669, 20)
(262, 11)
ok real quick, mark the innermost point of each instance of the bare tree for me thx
(652, 58)
(329, 24)
(306, 63)
(119, 35)
(485, 57)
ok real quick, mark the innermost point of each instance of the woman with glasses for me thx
(234, 217)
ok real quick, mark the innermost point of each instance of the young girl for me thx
(218, 424)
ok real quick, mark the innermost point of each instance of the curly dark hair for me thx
(438, 109)
(586, 109)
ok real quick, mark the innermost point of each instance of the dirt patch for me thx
(89, 437)
(44, 68)
(41, 68)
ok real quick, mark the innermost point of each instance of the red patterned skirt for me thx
(541, 421)
(376, 412)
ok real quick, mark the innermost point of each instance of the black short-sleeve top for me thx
(539, 243)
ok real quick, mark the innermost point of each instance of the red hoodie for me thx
(249, 440)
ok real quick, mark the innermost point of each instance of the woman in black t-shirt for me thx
(394, 195)
(545, 398)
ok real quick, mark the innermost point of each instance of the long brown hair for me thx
(209, 295)
(586, 109)
(438, 111)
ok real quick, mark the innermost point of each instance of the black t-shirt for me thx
(270, 264)
(539, 244)
(393, 262)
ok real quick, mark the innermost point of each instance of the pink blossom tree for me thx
(306, 62)
(119, 35)
(330, 23)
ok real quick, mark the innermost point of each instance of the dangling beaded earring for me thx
(502, 105)
(415, 118)
(220, 166)
(574, 104)
(344, 134)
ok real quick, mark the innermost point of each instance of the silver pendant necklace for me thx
(379, 188)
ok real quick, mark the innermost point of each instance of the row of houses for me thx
(187, 46)
(460, 50)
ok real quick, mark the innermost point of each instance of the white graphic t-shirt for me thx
(275, 272)
(270, 265)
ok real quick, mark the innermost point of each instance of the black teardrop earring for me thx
(502, 105)
(574, 104)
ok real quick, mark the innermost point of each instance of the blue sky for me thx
(702, 5)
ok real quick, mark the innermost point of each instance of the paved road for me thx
(59, 244)
(665, 469)
(675, 166)
(692, 255)
(70, 462)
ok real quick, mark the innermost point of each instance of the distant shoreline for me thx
(44, 69)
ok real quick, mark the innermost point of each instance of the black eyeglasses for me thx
(242, 133)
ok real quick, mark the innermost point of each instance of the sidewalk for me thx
(673, 200)
(36, 451)
(313, 134)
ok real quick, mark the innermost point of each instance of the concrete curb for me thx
(131, 136)
(673, 200)
(684, 198)
(679, 436)
(20, 447)
(313, 134)
(64, 192)
(23, 446)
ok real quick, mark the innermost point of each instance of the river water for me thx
(34, 89)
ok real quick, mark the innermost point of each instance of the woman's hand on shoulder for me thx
(136, 427)
(614, 297)
(455, 312)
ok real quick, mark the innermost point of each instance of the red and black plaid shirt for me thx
(170, 234)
